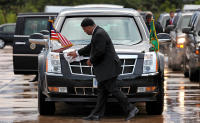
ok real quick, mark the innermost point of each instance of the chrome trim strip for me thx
(54, 74)
(20, 43)
(150, 74)
(134, 66)
(25, 55)
(92, 71)
(128, 56)
(123, 66)
(83, 74)
(81, 67)
(21, 36)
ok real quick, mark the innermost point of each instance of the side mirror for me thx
(38, 38)
(163, 38)
(199, 33)
(45, 33)
(187, 30)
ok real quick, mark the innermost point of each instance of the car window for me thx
(9, 28)
(34, 25)
(122, 30)
(164, 20)
(185, 21)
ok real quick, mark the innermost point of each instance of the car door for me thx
(25, 54)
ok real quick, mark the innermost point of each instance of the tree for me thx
(10, 6)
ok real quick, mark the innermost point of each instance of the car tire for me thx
(186, 74)
(185, 69)
(193, 75)
(2, 43)
(156, 107)
(44, 107)
(169, 62)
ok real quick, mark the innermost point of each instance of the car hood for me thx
(137, 48)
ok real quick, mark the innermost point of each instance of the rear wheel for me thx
(2, 43)
(186, 74)
(194, 75)
(185, 67)
(156, 107)
(44, 107)
(169, 61)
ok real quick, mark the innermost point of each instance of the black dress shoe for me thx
(132, 113)
(34, 79)
(92, 117)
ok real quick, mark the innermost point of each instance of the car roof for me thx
(99, 11)
(98, 6)
(36, 14)
(185, 13)
(164, 14)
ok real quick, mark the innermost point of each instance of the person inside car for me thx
(158, 27)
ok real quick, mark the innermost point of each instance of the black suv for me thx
(177, 46)
(25, 54)
(142, 70)
(192, 52)
(7, 32)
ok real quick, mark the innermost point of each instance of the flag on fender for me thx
(55, 35)
(153, 37)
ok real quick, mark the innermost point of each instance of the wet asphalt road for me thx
(18, 101)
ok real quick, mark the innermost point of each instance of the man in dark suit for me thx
(171, 19)
(106, 66)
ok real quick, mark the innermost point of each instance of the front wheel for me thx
(2, 43)
(194, 75)
(44, 107)
(156, 107)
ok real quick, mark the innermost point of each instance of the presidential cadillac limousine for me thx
(142, 70)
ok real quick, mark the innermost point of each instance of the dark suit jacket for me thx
(102, 54)
(167, 22)
(158, 27)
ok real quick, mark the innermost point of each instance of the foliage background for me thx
(10, 8)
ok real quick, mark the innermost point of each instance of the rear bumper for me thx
(83, 91)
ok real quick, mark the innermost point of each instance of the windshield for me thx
(122, 30)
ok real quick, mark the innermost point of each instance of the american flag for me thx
(55, 35)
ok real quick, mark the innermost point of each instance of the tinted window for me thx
(164, 20)
(33, 25)
(185, 21)
(122, 30)
(9, 28)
